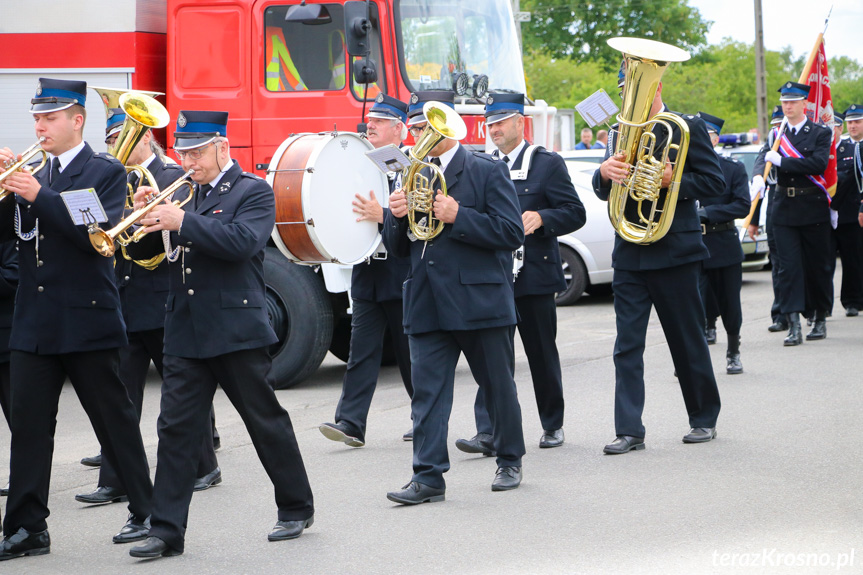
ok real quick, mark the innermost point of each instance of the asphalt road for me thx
(778, 491)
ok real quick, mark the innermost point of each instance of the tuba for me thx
(638, 211)
(443, 122)
(21, 164)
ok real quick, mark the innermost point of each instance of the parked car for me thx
(591, 156)
(756, 254)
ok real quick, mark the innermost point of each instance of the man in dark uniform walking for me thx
(459, 299)
(722, 270)
(550, 208)
(216, 332)
(665, 275)
(801, 215)
(143, 293)
(847, 238)
(67, 322)
(376, 291)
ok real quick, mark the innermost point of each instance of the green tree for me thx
(577, 29)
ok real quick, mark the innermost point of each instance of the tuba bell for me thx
(443, 122)
(638, 211)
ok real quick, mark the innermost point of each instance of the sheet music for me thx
(597, 108)
(389, 158)
(84, 207)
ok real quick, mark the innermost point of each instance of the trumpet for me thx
(28, 155)
(104, 242)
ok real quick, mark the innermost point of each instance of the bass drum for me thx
(315, 178)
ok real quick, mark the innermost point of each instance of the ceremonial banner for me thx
(819, 108)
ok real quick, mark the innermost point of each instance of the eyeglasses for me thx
(416, 130)
(195, 154)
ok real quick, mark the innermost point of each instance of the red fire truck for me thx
(280, 67)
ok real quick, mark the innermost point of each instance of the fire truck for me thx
(279, 67)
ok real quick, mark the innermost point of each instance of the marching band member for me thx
(142, 297)
(458, 298)
(550, 208)
(8, 287)
(67, 323)
(376, 290)
(216, 331)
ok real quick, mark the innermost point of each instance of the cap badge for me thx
(414, 98)
(489, 101)
(181, 120)
(38, 88)
(788, 85)
(379, 99)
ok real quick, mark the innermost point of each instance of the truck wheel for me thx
(341, 344)
(575, 275)
(301, 315)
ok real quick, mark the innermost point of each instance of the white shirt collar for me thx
(447, 157)
(147, 162)
(218, 178)
(69, 155)
(515, 152)
(796, 127)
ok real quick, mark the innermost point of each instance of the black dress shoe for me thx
(212, 478)
(777, 326)
(819, 327)
(624, 444)
(409, 435)
(135, 529)
(153, 547)
(710, 334)
(732, 364)
(4, 491)
(25, 543)
(551, 438)
(217, 443)
(341, 431)
(795, 335)
(700, 435)
(284, 530)
(95, 461)
(852, 311)
(506, 478)
(103, 495)
(479, 443)
(414, 493)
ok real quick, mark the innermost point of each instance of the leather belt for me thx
(708, 228)
(793, 192)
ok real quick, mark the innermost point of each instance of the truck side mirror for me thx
(365, 71)
(357, 28)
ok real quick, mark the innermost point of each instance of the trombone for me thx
(105, 242)
(26, 156)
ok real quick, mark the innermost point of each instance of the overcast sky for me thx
(794, 23)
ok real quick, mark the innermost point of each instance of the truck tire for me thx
(301, 315)
(341, 344)
(575, 275)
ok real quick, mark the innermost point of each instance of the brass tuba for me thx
(650, 216)
(21, 164)
(443, 122)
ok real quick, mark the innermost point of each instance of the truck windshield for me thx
(440, 38)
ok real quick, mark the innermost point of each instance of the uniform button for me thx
(188, 244)
(93, 302)
(41, 237)
(188, 271)
(40, 289)
(545, 257)
(191, 292)
(187, 250)
(126, 278)
(431, 263)
(245, 301)
(40, 263)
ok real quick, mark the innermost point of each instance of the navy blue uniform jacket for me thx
(464, 280)
(67, 300)
(8, 286)
(813, 142)
(216, 303)
(547, 190)
(143, 292)
(724, 245)
(701, 179)
(847, 198)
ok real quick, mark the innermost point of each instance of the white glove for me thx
(834, 218)
(756, 188)
(774, 158)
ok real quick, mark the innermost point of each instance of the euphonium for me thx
(104, 242)
(26, 156)
(443, 122)
(651, 214)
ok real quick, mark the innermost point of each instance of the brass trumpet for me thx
(28, 155)
(105, 241)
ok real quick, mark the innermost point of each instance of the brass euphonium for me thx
(649, 218)
(104, 241)
(26, 156)
(443, 122)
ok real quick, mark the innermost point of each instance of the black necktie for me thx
(436, 162)
(202, 193)
(506, 159)
(55, 170)
(133, 180)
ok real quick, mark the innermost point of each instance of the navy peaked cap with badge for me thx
(196, 128)
(714, 124)
(838, 119)
(791, 91)
(388, 108)
(500, 106)
(777, 116)
(854, 112)
(418, 100)
(53, 95)
(116, 117)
